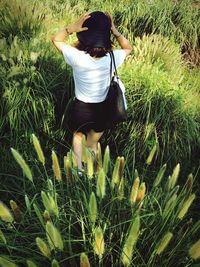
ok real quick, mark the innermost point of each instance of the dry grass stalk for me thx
(38, 149)
(56, 167)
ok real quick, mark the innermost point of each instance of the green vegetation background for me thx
(161, 76)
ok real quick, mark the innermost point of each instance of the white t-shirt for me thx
(91, 76)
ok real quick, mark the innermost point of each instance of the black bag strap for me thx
(112, 62)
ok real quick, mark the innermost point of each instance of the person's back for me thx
(90, 61)
(91, 75)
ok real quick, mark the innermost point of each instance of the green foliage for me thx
(122, 233)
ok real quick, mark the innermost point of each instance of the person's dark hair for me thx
(92, 51)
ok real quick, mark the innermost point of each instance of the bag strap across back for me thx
(112, 62)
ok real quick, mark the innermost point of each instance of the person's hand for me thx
(113, 27)
(78, 25)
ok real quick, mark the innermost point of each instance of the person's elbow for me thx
(128, 50)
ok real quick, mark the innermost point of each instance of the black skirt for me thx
(84, 117)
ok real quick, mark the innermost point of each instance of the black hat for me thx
(98, 33)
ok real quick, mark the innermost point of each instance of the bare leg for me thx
(92, 140)
(77, 148)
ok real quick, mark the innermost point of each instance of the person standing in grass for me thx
(90, 61)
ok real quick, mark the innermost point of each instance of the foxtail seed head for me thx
(92, 208)
(16, 211)
(2, 237)
(22, 164)
(99, 242)
(174, 177)
(54, 236)
(194, 250)
(38, 149)
(43, 247)
(121, 167)
(106, 159)
(84, 261)
(186, 206)
(151, 155)
(131, 240)
(160, 175)
(115, 176)
(6, 262)
(46, 202)
(164, 242)
(46, 216)
(84, 154)
(134, 191)
(90, 164)
(101, 184)
(56, 167)
(189, 183)
(5, 213)
(121, 189)
(55, 263)
(30, 263)
(141, 193)
(99, 158)
(68, 166)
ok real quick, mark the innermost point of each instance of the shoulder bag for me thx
(116, 98)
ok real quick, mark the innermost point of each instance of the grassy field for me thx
(138, 205)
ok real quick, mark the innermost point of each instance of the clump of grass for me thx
(161, 114)
(67, 222)
(20, 18)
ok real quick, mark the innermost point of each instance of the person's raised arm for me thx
(59, 37)
(123, 42)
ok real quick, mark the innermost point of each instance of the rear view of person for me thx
(90, 62)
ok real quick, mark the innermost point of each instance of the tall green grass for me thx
(162, 105)
(132, 223)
